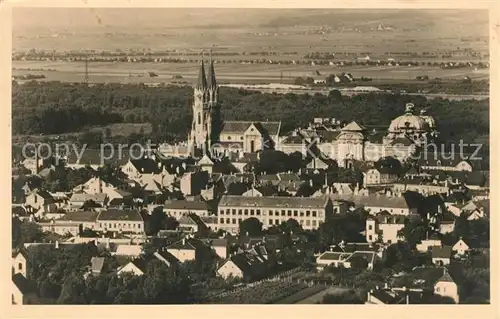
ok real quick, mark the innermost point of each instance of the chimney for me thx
(407, 299)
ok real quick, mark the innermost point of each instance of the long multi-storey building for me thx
(273, 210)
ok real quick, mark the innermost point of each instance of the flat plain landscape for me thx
(124, 72)
(277, 35)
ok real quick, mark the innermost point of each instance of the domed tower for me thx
(350, 143)
(409, 126)
(205, 109)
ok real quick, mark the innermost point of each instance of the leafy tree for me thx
(290, 226)
(414, 231)
(389, 163)
(358, 262)
(170, 223)
(73, 290)
(25, 232)
(251, 226)
(155, 221)
(400, 256)
(87, 232)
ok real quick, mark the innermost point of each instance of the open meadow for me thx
(124, 72)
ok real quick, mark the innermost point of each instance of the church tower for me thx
(206, 114)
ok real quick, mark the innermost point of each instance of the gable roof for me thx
(246, 262)
(441, 252)
(165, 256)
(352, 127)
(183, 204)
(271, 128)
(83, 197)
(185, 244)
(146, 166)
(24, 285)
(118, 214)
(79, 216)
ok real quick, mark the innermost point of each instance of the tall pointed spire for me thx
(211, 73)
(202, 79)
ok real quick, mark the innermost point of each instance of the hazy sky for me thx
(41, 18)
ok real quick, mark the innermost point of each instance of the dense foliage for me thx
(54, 107)
(60, 278)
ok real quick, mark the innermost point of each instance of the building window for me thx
(252, 212)
(283, 213)
(389, 241)
(228, 220)
(234, 211)
(270, 213)
(276, 221)
(370, 227)
(228, 211)
(239, 211)
(301, 214)
(241, 138)
(313, 223)
(289, 213)
(314, 213)
(20, 266)
(308, 222)
(370, 237)
(258, 212)
(222, 212)
(246, 212)
(221, 220)
(199, 118)
(234, 220)
(229, 138)
(437, 289)
(270, 222)
(308, 213)
(240, 220)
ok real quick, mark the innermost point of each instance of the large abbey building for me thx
(352, 142)
(210, 133)
(404, 137)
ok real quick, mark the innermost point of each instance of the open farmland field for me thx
(124, 72)
(300, 31)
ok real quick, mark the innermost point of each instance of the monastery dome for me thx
(408, 121)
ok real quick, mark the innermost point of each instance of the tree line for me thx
(55, 107)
